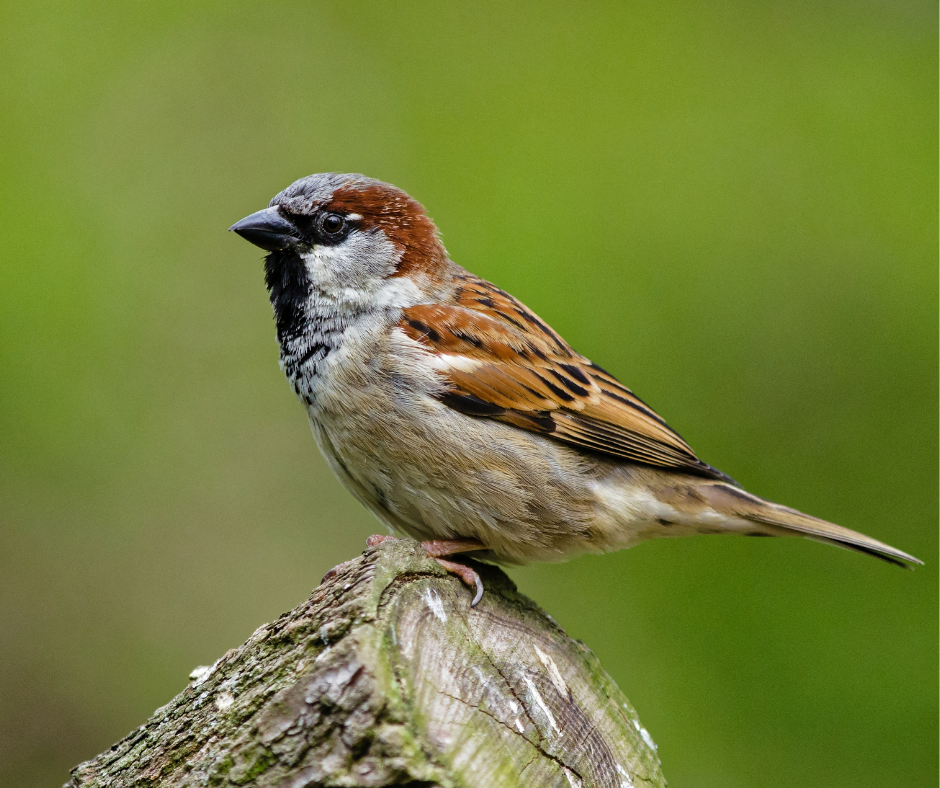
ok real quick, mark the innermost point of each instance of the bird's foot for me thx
(336, 570)
(437, 549)
(469, 576)
(377, 539)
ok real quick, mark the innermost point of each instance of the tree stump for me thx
(386, 676)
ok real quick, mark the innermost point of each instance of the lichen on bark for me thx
(386, 676)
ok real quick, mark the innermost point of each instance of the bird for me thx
(458, 416)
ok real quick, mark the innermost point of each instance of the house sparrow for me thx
(458, 416)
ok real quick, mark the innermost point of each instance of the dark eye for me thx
(333, 223)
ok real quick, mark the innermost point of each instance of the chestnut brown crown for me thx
(367, 203)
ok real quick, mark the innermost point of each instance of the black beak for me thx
(267, 229)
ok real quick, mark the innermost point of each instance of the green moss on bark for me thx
(386, 676)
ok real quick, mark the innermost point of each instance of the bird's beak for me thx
(267, 229)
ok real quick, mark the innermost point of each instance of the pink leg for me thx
(438, 548)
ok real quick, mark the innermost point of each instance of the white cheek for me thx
(362, 262)
(321, 262)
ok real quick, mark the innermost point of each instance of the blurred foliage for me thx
(732, 206)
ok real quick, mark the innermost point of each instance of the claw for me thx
(479, 594)
(467, 574)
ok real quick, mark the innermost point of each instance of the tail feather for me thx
(783, 520)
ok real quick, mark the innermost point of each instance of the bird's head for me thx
(343, 236)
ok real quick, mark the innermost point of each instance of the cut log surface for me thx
(386, 676)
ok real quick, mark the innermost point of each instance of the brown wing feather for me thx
(501, 361)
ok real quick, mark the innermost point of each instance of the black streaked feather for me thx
(569, 384)
(429, 332)
(470, 404)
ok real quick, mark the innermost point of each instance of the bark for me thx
(386, 676)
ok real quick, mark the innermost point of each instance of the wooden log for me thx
(386, 676)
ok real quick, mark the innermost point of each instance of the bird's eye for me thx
(332, 223)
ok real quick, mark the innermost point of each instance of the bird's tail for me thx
(775, 520)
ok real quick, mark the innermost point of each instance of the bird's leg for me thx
(437, 549)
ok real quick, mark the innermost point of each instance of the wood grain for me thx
(385, 676)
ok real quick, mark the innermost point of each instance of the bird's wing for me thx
(499, 360)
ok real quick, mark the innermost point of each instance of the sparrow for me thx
(458, 416)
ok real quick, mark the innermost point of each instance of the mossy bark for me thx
(386, 676)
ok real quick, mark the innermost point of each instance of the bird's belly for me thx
(445, 475)
(430, 472)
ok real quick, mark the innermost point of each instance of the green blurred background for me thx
(732, 206)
